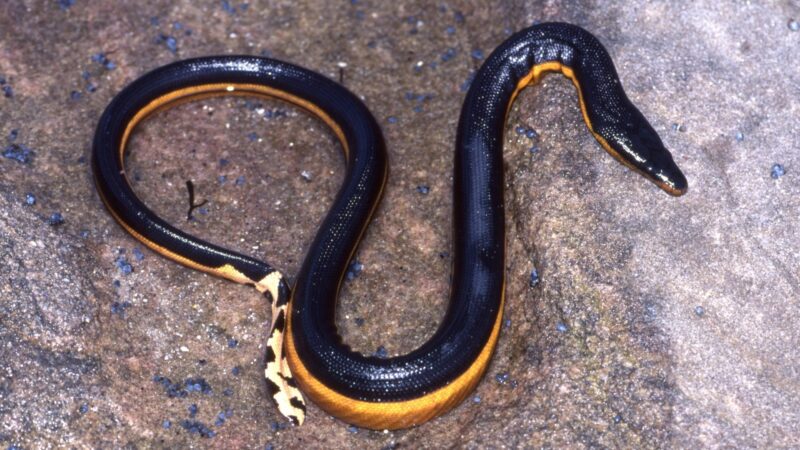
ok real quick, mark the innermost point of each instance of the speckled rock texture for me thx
(652, 321)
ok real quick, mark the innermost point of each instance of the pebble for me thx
(353, 270)
(274, 113)
(197, 385)
(119, 308)
(55, 219)
(124, 266)
(196, 427)
(278, 426)
(220, 420)
(699, 311)
(137, 254)
(227, 7)
(103, 60)
(534, 278)
(169, 41)
(171, 389)
(449, 54)
(777, 171)
(19, 152)
(223, 416)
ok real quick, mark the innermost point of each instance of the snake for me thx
(306, 356)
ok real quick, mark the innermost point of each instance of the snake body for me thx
(305, 352)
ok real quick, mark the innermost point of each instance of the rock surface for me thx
(653, 322)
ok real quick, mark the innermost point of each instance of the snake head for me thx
(637, 145)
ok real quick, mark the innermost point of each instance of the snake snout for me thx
(659, 167)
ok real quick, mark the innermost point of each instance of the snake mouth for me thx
(674, 184)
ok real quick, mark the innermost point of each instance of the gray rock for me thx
(606, 350)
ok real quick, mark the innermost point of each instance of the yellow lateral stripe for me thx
(221, 89)
(398, 414)
(531, 78)
(536, 74)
